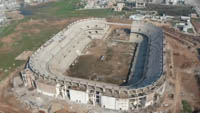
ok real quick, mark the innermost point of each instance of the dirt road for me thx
(177, 98)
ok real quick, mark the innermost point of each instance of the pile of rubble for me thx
(33, 100)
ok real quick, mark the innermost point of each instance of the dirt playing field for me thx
(106, 60)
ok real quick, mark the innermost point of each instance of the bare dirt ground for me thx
(181, 83)
(105, 60)
(64, 111)
(7, 42)
(118, 20)
(181, 62)
(119, 34)
(184, 62)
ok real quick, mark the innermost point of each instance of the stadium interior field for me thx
(106, 60)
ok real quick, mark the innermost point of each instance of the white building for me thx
(185, 25)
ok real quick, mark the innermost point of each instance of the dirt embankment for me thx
(186, 87)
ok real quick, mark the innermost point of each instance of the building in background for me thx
(140, 3)
(185, 25)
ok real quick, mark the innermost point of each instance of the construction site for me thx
(178, 82)
(110, 85)
(114, 64)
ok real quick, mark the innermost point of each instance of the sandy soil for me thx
(182, 84)
(118, 20)
(113, 69)
(186, 87)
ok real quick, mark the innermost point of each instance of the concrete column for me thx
(23, 75)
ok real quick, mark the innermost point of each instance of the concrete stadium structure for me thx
(145, 84)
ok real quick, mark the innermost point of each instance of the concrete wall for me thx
(122, 104)
(49, 90)
(108, 102)
(114, 103)
(149, 99)
(79, 96)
